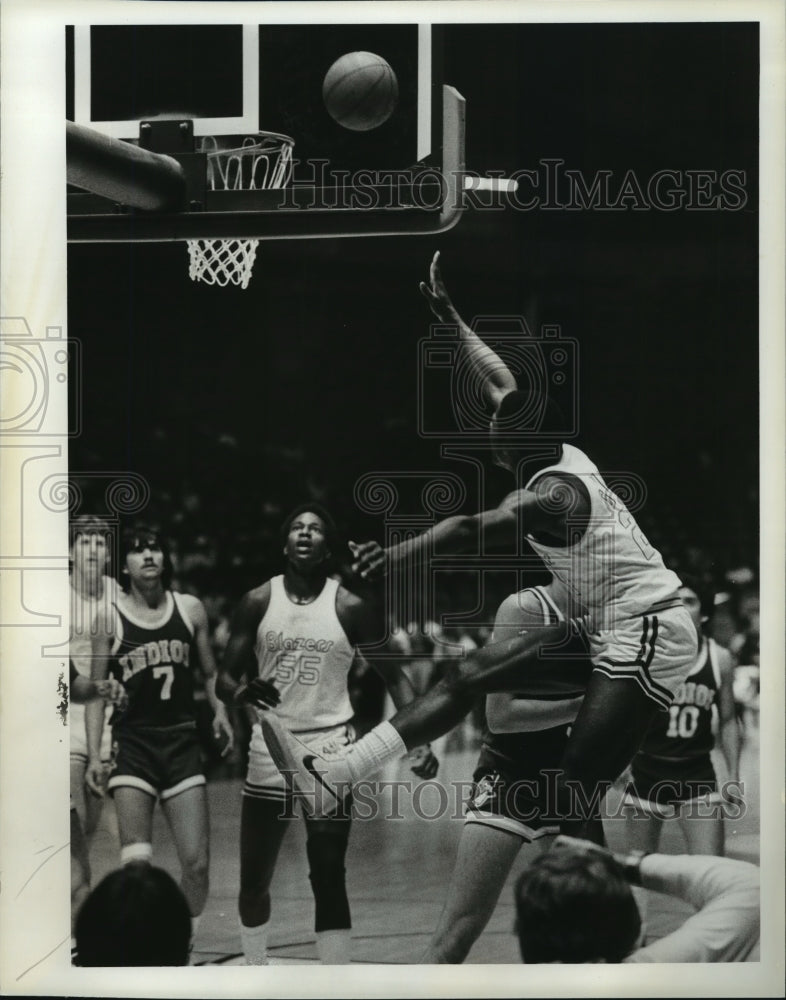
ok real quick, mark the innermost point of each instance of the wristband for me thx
(631, 864)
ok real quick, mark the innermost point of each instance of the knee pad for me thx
(326, 873)
(136, 852)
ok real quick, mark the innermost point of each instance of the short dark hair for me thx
(534, 412)
(142, 531)
(135, 916)
(704, 589)
(311, 507)
(575, 907)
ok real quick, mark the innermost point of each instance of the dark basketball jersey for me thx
(685, 730)
(572, 661)
(155, 665)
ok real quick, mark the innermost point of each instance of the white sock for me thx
(374, 750)
(136, 852)
(254, 943)
(333, 947)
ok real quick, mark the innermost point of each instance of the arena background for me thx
(235, 405)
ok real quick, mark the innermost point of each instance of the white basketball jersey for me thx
(612, 569)
(84, 612)
(304, 651)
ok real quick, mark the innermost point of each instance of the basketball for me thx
(360, 91)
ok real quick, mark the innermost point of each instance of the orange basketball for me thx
(360, 91)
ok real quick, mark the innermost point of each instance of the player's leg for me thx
(638, 666)
(263, 824)
(485, 857)
(187, 815)
(326, 847)
(80, 860)
(701, 821)
(607, 733)
(134, 807)
(510, 665)
(642, 828)
(80, 872)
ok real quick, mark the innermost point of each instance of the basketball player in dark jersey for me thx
(158, 637)
(672, 775)
(511, 808)
(642, 640)
(293, 641)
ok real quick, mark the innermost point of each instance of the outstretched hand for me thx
(370, 560)
(437, 296)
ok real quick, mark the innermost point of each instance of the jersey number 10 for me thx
(683, 721)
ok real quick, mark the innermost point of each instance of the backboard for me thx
(237, 79)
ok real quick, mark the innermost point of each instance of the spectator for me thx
(575, 904)
(136, 916)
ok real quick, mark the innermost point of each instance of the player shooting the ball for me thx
(641, 638)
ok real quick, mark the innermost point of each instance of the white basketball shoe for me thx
(320, 779)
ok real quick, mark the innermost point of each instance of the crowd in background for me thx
(225, 539)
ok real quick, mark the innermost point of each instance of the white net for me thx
(262, 161)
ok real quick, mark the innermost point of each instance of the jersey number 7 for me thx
(168, 673)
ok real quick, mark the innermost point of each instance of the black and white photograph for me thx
(392, 462)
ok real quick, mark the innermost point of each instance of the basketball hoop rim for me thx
(257, 140)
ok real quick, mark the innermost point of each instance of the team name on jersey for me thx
(151, 654)
(692, 693)
(277, 641)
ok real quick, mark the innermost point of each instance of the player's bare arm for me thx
(83, 689)
(237, 681)
(543, 509)
(95, 710)
(364, 623)
(197, 615)
(507, 712)
(496, 379)
(729, 731)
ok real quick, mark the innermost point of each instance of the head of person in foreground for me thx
(576, 906)
(136, 916)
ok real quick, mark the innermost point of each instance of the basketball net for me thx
(263, 161)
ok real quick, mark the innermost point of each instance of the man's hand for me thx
(371, 560)
(261, 694)
(222, 728)
(95, 777)
(113, 692)
(422, 762)
(437, 296)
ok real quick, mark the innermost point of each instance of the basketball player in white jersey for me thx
(642, 639)
(292, 643)
(91, 590)
(672, 775)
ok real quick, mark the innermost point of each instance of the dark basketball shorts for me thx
(520, 796)
(659, 786)
(161, 762)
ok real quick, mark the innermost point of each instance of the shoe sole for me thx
(280, 756)
(289, 767)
